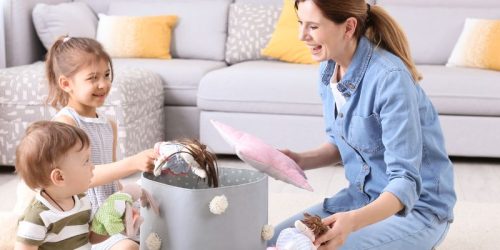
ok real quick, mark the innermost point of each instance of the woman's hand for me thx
(143, 161)
(293, 155)
(325, 155)
(341, 225)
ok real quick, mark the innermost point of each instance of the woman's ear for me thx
(350, 27)
(64, 84)
(56, 177)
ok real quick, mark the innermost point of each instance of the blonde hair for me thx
(65, 58)
(373, 22)
(42, 146)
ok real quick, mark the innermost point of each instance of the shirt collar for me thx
(349, 83)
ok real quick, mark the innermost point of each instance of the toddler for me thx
(53, 158)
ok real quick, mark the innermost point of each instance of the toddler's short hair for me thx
(43, 144)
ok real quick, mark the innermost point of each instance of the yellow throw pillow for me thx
(285, 44)
(478, 45)
(136, 36)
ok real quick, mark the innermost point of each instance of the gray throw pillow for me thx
(249, 30)
(74, 19)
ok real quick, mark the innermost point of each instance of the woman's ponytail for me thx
(384, 31)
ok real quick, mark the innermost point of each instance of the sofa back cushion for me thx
(136, 36)
(22, 45)
(201, 29)
(54, 20)
(250, 27)
(433, 27)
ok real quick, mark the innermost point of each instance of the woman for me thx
(381, 126)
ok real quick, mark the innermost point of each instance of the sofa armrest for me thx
(22, 45)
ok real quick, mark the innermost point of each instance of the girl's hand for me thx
(143, 161)
(341, 225)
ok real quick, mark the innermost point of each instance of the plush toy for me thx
(302, 236)
(9, 219)
(262, 156)
(117, 214)
(181, 156)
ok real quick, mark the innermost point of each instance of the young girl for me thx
(79, 74)
(381, 126)
(53, 158)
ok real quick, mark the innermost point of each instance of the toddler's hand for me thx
(144, 161)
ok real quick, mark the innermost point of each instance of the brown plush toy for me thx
(302, 235)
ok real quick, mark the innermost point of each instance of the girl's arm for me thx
(325, 154)
(116, 170)
(106, 173)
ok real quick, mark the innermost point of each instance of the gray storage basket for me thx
(185, 221)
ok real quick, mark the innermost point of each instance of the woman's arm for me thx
(326, 154)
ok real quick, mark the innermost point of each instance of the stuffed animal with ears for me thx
(302, 236)
(117, 214)
(179, 157)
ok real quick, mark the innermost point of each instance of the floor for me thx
(477, 183)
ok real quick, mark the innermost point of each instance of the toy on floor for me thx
(181, 156)
(117, 214)
(262, 156)
(302, 236)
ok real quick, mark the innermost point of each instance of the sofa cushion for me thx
(249, 30)
(285, 44)
(262, 87)
(478, 45)
(181, 77)
(201, 29)
(462, 91)
(73, 19)
(131, 36)
(22, 45)
(433, 27)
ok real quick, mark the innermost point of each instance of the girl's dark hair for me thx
(66, 57)
(373, 22)
(43, 145)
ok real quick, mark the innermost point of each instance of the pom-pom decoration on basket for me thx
(262, 156)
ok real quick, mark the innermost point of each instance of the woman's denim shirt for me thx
(388, 135)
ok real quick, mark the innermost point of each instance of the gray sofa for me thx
(275, 100)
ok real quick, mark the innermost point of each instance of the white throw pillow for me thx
(74, 19)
